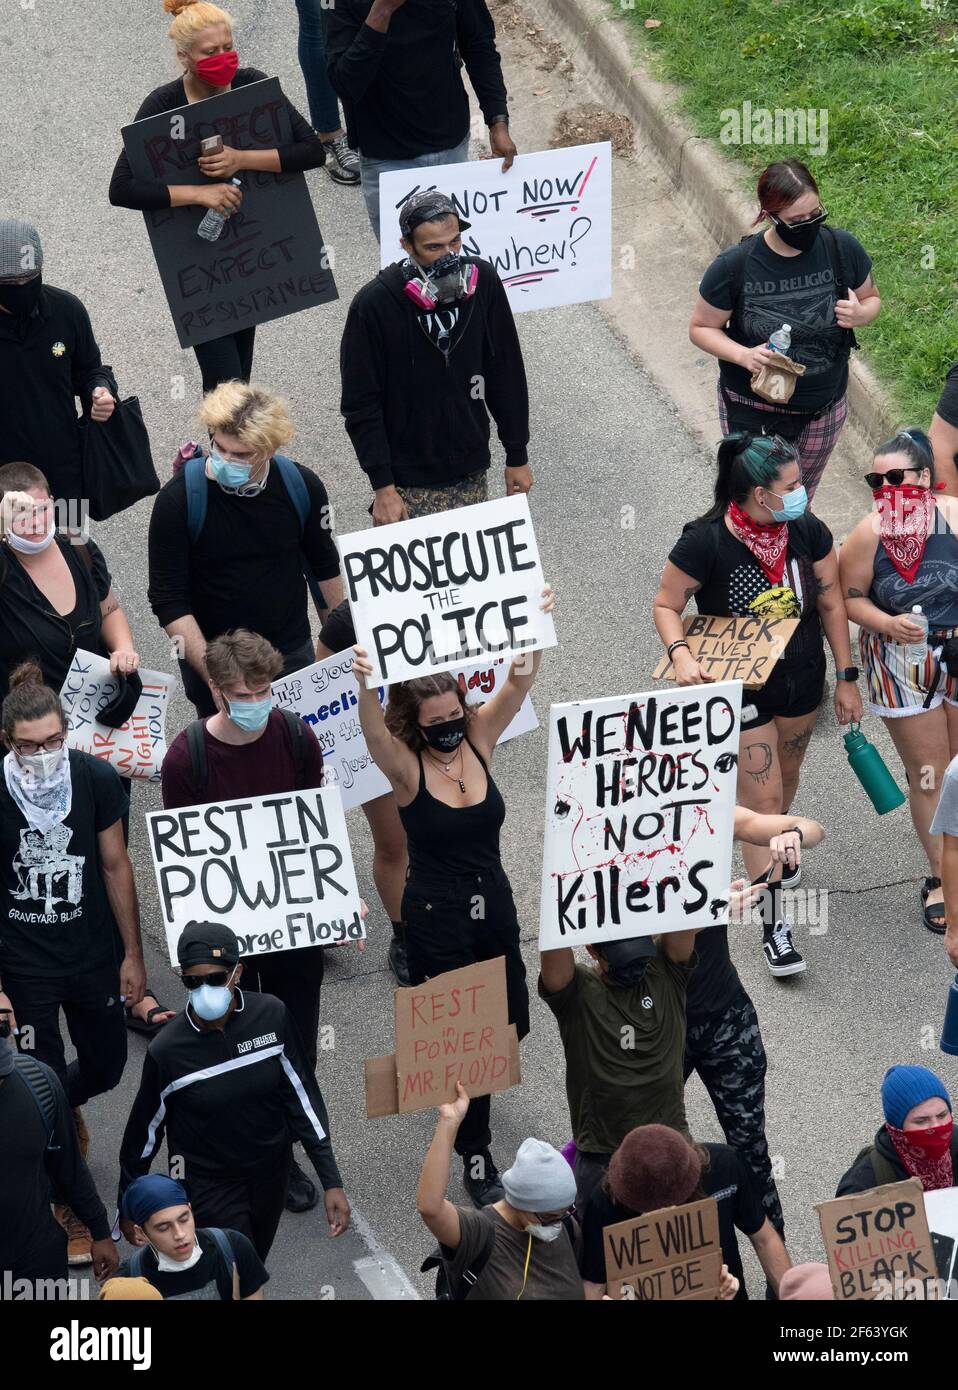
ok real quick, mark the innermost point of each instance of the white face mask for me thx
(552, 1232)
(167, 1265)
(42, 765)
(28, 547)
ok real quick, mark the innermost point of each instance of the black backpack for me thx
(737, 270)
(445, 1292)
(44, 1096)
(196, 743)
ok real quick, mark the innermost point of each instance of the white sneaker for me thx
(781, 956)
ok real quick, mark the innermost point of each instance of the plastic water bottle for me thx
(868, 766)
(916, 652)
(781, 339)
(211, 228)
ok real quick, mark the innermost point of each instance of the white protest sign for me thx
(276, 869)
(438, 592)
(546, 225)
(640, 812)
(138, 747)
(324, 695)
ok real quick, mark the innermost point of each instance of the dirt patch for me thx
(590, 123)
(554, 57)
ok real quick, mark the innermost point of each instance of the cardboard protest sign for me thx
(670, 1255)
(640, 808)
(138, 747)
(382, 1081)
(276, 869)
(269, 259)
(878, 1245)
(438, 592)
(733, 649)
(324, 695)
(546, 225)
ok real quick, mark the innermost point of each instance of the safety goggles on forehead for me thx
(215, 978)
(893, 478)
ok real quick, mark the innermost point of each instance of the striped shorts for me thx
(895, 686)
(815, 443)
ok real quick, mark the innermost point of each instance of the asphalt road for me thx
(603, 439)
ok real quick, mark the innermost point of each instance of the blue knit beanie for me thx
(905, 1087)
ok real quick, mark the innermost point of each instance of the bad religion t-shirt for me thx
(733, 583)
(55, 917)
(208, 1278)
(797, 290)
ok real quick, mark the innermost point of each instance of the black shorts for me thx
(787, 694)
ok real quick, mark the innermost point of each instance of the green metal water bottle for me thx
(867, 764)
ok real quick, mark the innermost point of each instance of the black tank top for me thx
(447, 840)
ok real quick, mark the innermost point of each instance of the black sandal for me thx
(147, 1026)
(934, 916)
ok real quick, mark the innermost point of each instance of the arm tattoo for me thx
(690, 592)
(823, 588)
(855, 593)
(111, 606)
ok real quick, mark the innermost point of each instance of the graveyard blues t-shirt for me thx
(797, 290)
(733, 583)
(208, 1278)
(55, 916)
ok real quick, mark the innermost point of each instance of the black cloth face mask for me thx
(445, 738)
(798, 238)
(21, 300)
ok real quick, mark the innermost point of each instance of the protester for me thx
(943, 433)
(516, 1247)
(48, 358)
(436, 751)
(42, 1163)
(808, 1283)
(758, 551)
(390, 858)
(396, 67)
(178, 1260)
(203, 36)
(428, 329)
(227, 1082)
(903, 554)
(240, 564)
(656, 1167)
(342, 163)
(797, 272)
(249, 749)
(917, 1139)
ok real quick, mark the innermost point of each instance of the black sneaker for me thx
(791, 878)
(342, 163)
(301, 1194)
(781, 956)
(480, 1178)
(398, 963)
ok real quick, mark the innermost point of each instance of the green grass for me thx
(886, 71)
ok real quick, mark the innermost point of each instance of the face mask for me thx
(445, 738)
(219, 69)
(42, 765)
(545, 1232)
(211, 1002)
(167, 1265)
(250, 715)
(628, 976)
(793, 505)
(24, 546)
(799, 238)
(445, 277)
(229, 474)
(21, 300)
(934, 1141)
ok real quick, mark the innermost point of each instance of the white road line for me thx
(381, 1273)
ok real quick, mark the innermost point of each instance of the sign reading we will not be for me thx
(138, 748)
(546, 224)
(276, 869)
(269, 259)
(436, 592)
(640, 810)
(673, 1254)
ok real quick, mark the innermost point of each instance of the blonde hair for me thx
(190, 18)
(249, 412)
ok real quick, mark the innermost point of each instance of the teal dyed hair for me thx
(746, 461)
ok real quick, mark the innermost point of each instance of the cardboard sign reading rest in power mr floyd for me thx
(733, 649)
(878, 1244)
(669, 1255)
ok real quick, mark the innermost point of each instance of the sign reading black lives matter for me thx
(276, 869)
(640, 812)
(446, 590)
(269, 259)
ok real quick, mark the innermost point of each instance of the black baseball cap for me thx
(118, 711)
(207, 943)
(427, 206)
(617, 954)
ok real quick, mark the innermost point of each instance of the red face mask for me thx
(934, 1141)
(218, 69)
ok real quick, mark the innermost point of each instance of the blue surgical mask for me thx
(793, 505)
(210, 1002)
(250, 715)
(229, 474)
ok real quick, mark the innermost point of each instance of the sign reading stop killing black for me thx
(270, 259)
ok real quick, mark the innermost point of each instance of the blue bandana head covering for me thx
(147, 1195)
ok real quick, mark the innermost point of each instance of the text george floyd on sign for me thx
(270, 259)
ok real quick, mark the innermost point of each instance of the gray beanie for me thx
(20, 249)
(540, 1179)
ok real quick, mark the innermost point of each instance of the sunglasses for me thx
(806, 221)
(894, 476)
(215, 978)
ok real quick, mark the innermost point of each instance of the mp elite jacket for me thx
(418, 417)
(230, 1100)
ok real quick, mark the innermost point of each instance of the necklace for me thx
(444, 769)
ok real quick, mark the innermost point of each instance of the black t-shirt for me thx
(245, 569)
(714, 984)
(733, 583)
(208, 1278)
(55, 917)
(948, 402)
(797, 290)
(338, 632)
(726, 1178)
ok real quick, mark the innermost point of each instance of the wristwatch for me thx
(498, 120)
(796, 830)
(848, 673)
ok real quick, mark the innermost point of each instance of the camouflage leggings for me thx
(464, 492)
(729, 1056)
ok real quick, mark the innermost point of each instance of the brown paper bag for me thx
(775, 382)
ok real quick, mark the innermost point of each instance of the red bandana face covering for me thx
(926, 1153)
(905, 513)
(768, 543)
(219, 69)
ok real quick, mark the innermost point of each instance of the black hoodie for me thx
(863, 1175)
(418, 417)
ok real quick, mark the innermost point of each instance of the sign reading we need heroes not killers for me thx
(640, 812)
(441, 591)
(546, 224)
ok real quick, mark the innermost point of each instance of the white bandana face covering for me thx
(44, 801)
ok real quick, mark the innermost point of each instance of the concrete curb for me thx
(712, 186)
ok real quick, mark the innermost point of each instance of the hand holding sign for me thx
(454, 1112)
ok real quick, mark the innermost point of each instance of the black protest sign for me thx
(269, 259)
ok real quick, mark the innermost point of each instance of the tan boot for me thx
(79, 1239)
(83, 1134)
